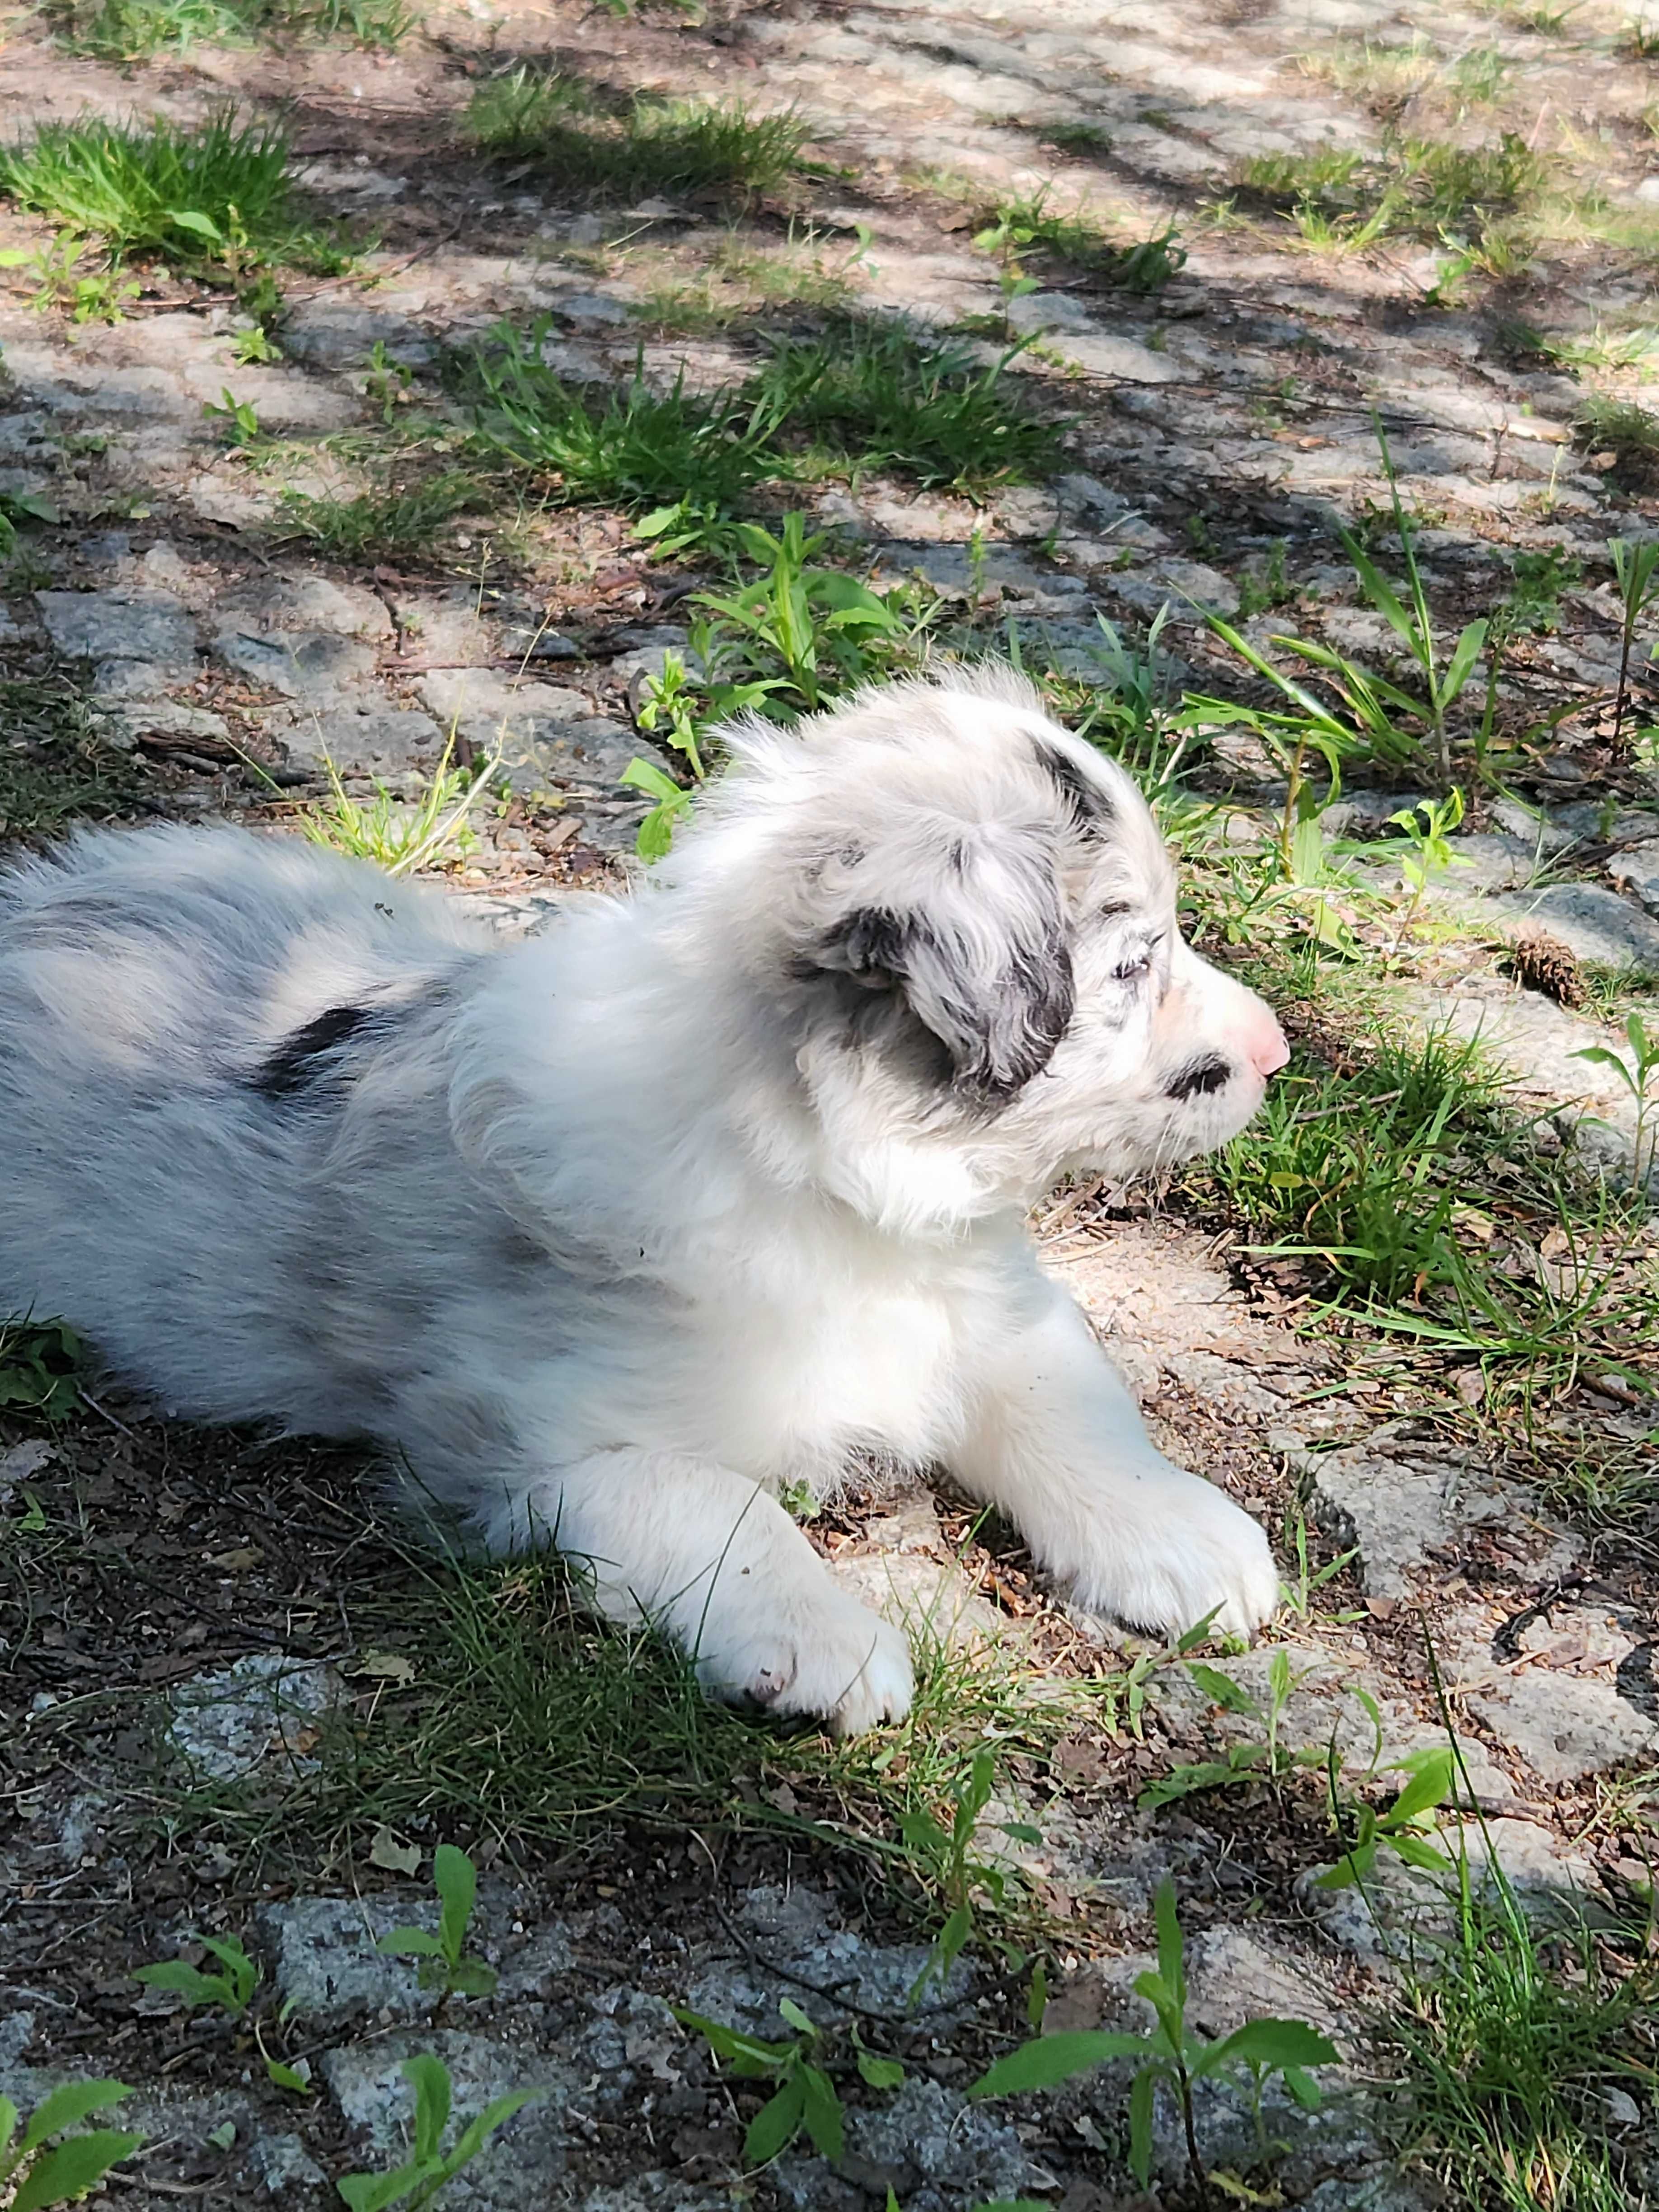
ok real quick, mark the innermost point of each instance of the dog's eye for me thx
(1129, 969)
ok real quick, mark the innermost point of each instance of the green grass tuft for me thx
(404, 519)
(633, 448)
(137, 30)
(57, 764)
(651, 145)
(1359, 1172)
(1422, 189)
(891, 399)
(1619, 426)
(217, 200)
(1510, 2040)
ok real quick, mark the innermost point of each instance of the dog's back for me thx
(177, 1008)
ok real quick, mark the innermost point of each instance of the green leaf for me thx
(456, 1880)
(645, 776)
(1347, 1871)
(880, 2073)
(478, 2131)
(187, 1981)
(1049, 2060)
(730, 2042)
(1430, 1785)
(429, 2077)
(1462, 661)
(1417, 1851)
(284, 2077)
(409, 1943)
(71, 2168)
(776, 2124)
(202, 226)
(1274, 2044)
(953, 1937)
(790, 2011)
(1303, 2089)
(472, 1977)
(1140, 2124)
(1207, 1774)
(373, 2193)
(8, 2130)
(1171, 1950)
(1381, 593)
(1196, 1634)
(821, 2109)
(1222, 1690)
(62, 2107)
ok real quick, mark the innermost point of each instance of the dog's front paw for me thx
(1193, 1554)
(815, 1651)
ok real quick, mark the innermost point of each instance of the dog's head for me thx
(964, 920)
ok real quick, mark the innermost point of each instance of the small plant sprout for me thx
(947, 1857)
(400, 838)
(388, 385)
(240, 416)
(1637, 1076)
(804, 2097)
(38, 1361)
(430, 2168)
(1404, 1828)
(1172, 2057)
(232, 1987)
(444, 1964)
(1265, 1760)
(1635, 565)
(1426, 829)
(43, 2173)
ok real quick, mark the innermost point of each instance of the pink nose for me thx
(1264, 1042)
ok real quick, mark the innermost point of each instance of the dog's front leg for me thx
(1056, 1441)
(715, 1562)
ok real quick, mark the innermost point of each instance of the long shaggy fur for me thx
(613, 1234)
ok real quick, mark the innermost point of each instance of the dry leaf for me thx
(1470, 1385)
(237, 1562)
(384, 1667)
(396, 1859)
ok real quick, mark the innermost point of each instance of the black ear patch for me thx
(1091, 810)
(999, 1006)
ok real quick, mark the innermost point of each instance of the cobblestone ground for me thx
(183, 1616)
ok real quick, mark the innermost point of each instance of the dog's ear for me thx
(978, 954)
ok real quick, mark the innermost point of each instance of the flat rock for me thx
(1635, 873)
(324, 1963)
(954, 568)
(935, 2150)
(225, 1722)
(304, 602)
(338, 334)
(314, 665)
(542, 732)
(1401, 1504)
(522, 2164)
(362, 738)
(1592, 921)
(164, 719)
(120, 625)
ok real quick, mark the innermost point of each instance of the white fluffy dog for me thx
(613, 1234)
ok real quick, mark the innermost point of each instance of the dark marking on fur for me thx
(999, 1031)
(1090, 808)
(294, 1065)
(1199, 1078)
